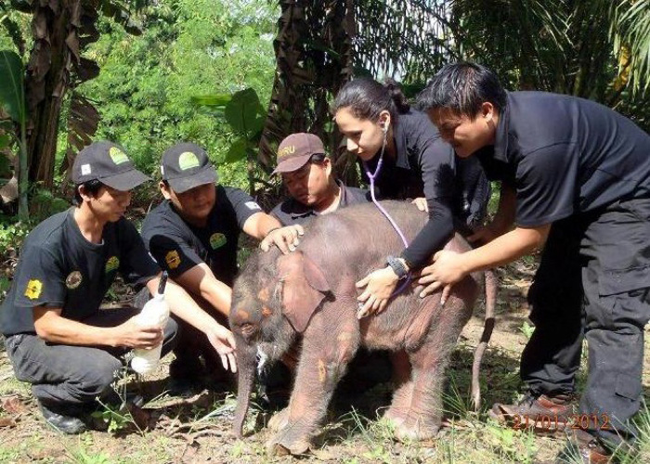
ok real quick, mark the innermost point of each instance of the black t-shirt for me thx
(178, 246)
(59, 268)
(424, 160)
(565, 155)
(425, 165)
(291, 211)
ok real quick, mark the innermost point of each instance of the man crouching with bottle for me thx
(56, 336)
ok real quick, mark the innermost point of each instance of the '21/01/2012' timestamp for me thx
(553, 422)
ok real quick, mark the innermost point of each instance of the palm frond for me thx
(631, 34)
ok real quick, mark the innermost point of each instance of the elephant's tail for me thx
(490, 304)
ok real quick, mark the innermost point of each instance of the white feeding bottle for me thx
(155, 312)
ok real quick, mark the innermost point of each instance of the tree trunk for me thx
(313, 59)
(48, 78)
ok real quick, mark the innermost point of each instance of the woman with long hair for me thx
(379, 125)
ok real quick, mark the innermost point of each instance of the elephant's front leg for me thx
(326, 351)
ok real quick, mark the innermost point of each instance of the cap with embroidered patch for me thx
(185, 166)
(295, 150)
(109, 164)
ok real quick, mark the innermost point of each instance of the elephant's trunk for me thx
(246, 363)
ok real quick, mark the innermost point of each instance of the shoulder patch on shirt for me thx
(172, 259)
(252, 205)
(73, 280)
(33, 289)
(217, 240)
(112, 263)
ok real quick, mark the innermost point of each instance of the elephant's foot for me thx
(395, 416)
(279, 420)
(401, 404)
(279, 445)
(416, 430)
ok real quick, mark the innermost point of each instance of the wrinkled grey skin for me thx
(313, 289)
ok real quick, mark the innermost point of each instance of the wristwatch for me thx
(399, 268)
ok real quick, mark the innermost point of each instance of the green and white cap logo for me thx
(188, 160)
(117, 155)
(217, 240)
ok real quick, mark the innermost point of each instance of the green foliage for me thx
(510, 443)
(12, 101)
(147, 90)
(81, 455)
(118, 418)
(5, 162)
(527, 330)
(45, 204)
(12, 91)
(245, 114)
(631, 32)
(12, 232)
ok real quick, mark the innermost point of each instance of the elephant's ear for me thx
(304, 288)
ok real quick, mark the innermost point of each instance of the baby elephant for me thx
(311, 292)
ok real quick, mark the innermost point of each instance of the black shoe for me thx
(113, 400)
(63, 418)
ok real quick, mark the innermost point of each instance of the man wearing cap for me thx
(307, 174)
(56, 336)
(194, 234)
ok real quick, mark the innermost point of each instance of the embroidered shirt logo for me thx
(117, 155)
(73, 280)
(33, 289)
(188, 160)
(217, 240)
(172, 259)
(112, 263)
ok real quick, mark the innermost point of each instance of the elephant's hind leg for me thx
(401, 404)
(429, 363)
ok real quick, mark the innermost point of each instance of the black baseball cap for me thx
(185, 166)
(109, 164)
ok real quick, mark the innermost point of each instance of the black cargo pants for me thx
(593, 283)
(74, 375)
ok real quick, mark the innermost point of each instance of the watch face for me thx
(398, 268)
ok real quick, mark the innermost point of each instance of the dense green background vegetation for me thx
(188, 48)
(140, 63)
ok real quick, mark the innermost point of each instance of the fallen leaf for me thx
(7, 422)
(13, 405)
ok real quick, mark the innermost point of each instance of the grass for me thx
(198, 429)
(354, 436)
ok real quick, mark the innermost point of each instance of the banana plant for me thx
(245, 115)
(12, 102)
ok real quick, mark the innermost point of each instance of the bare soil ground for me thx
(196, 430)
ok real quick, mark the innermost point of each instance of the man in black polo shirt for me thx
(193, 234)
(308, 175)
(575, 175)
(56, 337)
